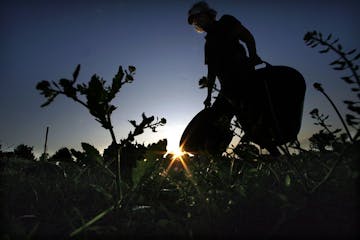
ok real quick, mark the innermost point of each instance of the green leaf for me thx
(139, 171)
(253, 170)
(132, 69)
(287, 180)
(336, 131)
(111, 108)
(309, 42)
(335, 41)
(357, 57)
(325, 50)
(43, 85)
(335, 62)
(92, 221)
(351, 120)
(147, 120)
(307, 37)
(163, 121)
(76, 73)
(203, 82)
(129, 78)
(116, 83)
(82, 88)
(133, 122)
(347, 80)
(339, 68)
(50, 99)
(351, 52)
(138, 130)
(64, 82)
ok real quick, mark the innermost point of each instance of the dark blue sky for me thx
(45, 40)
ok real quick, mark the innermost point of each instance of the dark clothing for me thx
(222, 46)
(226, 58)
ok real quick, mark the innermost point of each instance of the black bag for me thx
(270, 113)
(273, 109)
(207, 131)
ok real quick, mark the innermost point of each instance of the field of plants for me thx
(136, 191)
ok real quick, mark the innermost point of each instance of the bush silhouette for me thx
(24, 151)
(63, 155)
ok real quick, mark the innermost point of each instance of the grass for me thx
(305, 194)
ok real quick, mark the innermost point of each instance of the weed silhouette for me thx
(98, 102)
(346, 61)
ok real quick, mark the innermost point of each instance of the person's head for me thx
(201, 16)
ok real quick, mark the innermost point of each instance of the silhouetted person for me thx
(229, 61)
(267, 102)
(225, 56)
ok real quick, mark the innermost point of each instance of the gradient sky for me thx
(45, 40)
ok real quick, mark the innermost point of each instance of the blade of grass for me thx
(92, 221)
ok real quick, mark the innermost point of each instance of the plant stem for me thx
(46, 139)
(108, 119)
(118, 154)
(338, 113)
(118, 175)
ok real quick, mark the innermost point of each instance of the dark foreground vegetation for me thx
(140, 193)
(307, 194)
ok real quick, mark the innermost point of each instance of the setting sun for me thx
(173, 134)
(177, 152)
(178, 155)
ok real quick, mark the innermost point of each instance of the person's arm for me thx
(210, 84)
(245, 36)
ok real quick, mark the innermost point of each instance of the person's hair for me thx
(200, 8)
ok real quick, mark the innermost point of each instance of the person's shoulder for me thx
(228, 19)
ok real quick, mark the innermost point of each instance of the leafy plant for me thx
(325, 137)
(346, 61)
(97, 100)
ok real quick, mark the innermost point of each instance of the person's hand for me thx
(255, 60)
(207, 102)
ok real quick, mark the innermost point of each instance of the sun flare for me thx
(178, 155)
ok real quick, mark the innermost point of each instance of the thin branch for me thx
(338, 113)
